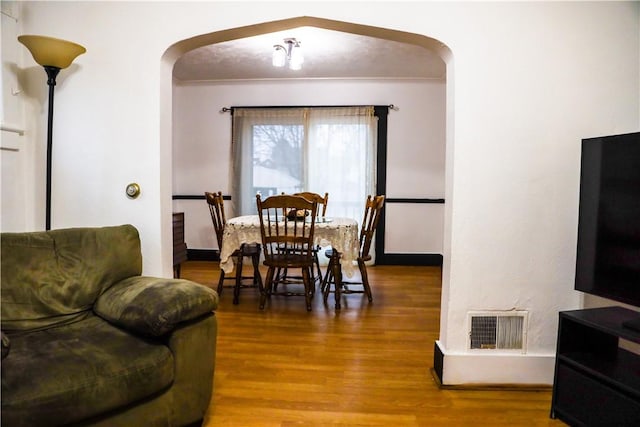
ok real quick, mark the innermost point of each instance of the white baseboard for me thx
(492, 367)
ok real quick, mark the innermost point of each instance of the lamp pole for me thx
(52, 73)
(53, 54)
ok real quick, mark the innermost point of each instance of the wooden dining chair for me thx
(287, 225)
(321, 200)
(216, 208)
(282, 275)
(372, 210)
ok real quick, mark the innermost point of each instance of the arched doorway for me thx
(179, 49)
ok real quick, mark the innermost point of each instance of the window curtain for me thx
(342, 157)
(266, 146)
(318, 149)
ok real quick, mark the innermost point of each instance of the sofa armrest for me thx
(154, 306)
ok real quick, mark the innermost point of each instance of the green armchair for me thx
(87, 340)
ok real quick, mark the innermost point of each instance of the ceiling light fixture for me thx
(290, 53)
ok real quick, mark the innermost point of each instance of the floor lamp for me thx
(53, 54)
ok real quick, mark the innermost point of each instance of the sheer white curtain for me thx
(341, 157)
(319, 149)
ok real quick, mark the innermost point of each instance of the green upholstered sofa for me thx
(87, 340)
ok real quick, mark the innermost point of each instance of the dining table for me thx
(338, 232)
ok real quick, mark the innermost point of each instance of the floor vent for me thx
(498, 330)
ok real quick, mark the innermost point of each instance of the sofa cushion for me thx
(154, 306)
(64, 374)
(54, 277)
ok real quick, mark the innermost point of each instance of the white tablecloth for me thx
(340, 233)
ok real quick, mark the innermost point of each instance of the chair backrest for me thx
(216, 208)
(372, 210)
(287, 225)
(321, 200)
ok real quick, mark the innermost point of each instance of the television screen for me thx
(608, 252)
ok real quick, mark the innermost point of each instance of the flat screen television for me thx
(608, 252)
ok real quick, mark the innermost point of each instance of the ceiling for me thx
(327, 54)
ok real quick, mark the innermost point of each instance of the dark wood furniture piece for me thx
(215, 201)
(179, 245)
(596, 382)
(287, 225)
(372, 210)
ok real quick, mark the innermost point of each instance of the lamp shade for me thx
(51, 52)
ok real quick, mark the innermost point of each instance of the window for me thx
(319, 149)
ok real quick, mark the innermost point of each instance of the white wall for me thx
(526, 82)
(516, 154)
(14, 153)
(416, 143)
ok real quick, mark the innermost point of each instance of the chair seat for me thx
(329, 254)
(287, 260)
(248, 249)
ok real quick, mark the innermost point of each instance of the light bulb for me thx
(279, 57)
(296, 60)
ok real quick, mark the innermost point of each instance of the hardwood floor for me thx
(365, 365)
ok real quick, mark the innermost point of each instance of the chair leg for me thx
(337, 278)
(257, 277)
(308, 292)
(221, 282)
(316, 260)
(267, 287)
(280, 277)
(325, 287)
(365, 279)
(313, 279)
(238, 284)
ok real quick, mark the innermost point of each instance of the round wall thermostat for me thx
(133, 190)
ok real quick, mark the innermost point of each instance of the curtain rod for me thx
(230, 109)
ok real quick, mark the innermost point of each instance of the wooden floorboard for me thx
(364, 365)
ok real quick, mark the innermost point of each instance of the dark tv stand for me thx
(596, 382)
(633, 324)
